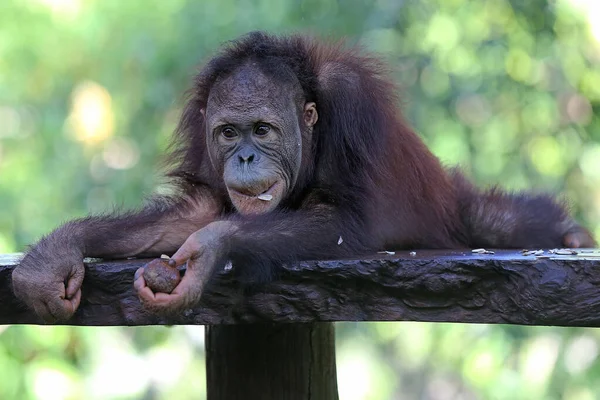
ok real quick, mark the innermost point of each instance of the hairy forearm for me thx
(128, 235)
(160, 227)
(264, 242)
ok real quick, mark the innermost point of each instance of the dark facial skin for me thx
(254, 132)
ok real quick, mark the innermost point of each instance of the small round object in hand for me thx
(160, 276)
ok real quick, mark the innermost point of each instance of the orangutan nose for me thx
(246, 157)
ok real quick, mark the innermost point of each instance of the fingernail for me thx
(138, 273)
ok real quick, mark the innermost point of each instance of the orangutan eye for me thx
(228, 132)
(262, 130)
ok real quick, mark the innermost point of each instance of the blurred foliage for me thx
(90, 91)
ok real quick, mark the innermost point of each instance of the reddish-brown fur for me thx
(367, 167)
(365, 177)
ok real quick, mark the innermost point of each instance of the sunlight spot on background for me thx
(591, 10)
(121, 153)
(354, 374)
(119, 372)
(50, 384)
(589, 162)
(452, 146)
(484, 365)
(590, 85)
(546, 156)
(484, 358)
(167, 365)
(461, 61)
(580, 354)
(519, 65)
(539, 358)
(63, 7)
(91, 118)
(415, 343)
(442, 33)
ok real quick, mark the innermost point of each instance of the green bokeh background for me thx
(90, 91)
